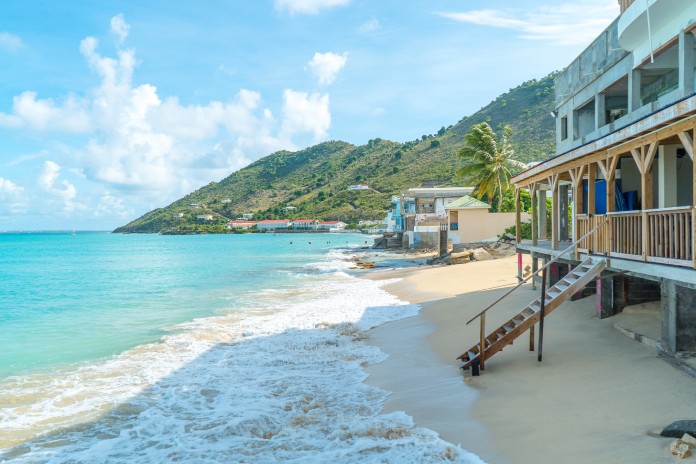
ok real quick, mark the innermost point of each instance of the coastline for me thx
(598, 396)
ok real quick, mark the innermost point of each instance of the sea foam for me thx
(282, 382)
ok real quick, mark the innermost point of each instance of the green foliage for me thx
(297, 178)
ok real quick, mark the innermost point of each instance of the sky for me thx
(110, 109)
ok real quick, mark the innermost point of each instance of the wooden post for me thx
(482, 353)
(518, 217)
(693, 213)
(553, 180)
(541, 314)
(535, 268)
(531, 338)
(535, 213)
(646, 187)
(591, 180)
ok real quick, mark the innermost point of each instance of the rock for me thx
(679, 428)
(689, 440)
(479, 254)
(680, 449)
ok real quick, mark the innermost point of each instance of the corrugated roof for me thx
(467, 202)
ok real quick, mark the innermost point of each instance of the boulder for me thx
(679, 428)
(479, 254)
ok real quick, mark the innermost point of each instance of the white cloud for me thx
(60, 191)
(12, 200)
(308, 6)
(10, 42)
(303, 112)
(369, 26)
(132, 140)
(120, 28)
(326, 66)
(576, 23)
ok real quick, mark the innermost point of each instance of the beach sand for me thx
(597, 397)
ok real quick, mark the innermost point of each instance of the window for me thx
(564, 127)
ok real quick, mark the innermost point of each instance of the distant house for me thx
(226, 200)
(205, 217)
(240, 224)
(469, 221)
(195, 205)
(177, 215)
(331, 225)
(272, 224)
(304, 224)
(247, 216)
(359, 187)
(289, 208)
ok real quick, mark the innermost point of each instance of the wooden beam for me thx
(591, 179)
(650, 156)
(638, 158)
(553, 181)
(518, 216)
(688, 143)
(613, 163)
(535, 214)
(602, 167)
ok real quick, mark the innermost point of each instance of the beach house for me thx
(304, 224)
(331, 225)
(622, 182)
(469, 220)
(272, 224)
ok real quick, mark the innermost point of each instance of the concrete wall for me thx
(476, 225)
(623, 290)
(678, 317)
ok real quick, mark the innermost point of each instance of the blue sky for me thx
(110, 109)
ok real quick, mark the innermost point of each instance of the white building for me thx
(272, 224)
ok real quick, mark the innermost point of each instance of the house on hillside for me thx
(205, 217)
(469, 221)
(622, 182)
(359, 187)
(304, 224)
(272, 225)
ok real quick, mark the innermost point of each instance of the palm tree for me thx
(489, 161)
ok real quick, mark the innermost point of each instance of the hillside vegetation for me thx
(315, 180)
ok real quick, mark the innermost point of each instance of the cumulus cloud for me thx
(303, 112)
(60, 191)
(10, 42)
(326, 66)
(568, 23)
(130, 139)
(308, 6)
(12, 200)
(119, 28)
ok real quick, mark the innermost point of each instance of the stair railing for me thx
(482, 315)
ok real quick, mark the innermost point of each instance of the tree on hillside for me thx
(489, 161)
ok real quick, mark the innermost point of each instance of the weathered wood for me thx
(518, 217)
(482, 344)
(535, 214)
(542, 310)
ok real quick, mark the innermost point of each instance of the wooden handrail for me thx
(570, 248)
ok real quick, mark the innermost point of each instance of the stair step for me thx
(471, 355)
(527, 312)
(508, 328)
(500, 335)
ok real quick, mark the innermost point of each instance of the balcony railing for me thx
(626, 234)
(597, 243)
(669, 236)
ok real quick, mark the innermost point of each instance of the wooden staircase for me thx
(525, 319)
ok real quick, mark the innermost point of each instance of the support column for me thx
(667, 176)
(668, 316)
(686, 63)
(563, 213)
(518, 217)
(535, 217)
(591, 179)
(554, 211)
(600, 110)
(542, 215)
(634, 90)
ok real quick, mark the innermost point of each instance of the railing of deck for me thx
(669, 235)
(598, 242)
(626, 234)
(583, 223)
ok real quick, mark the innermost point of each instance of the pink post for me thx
(519, 267)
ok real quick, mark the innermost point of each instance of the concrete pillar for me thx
(686, 63)
(668, 316)
(600, 111)
(667, 176)
(542, 214)
(634, 90)
(563, 212)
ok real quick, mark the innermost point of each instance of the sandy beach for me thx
(597, 397)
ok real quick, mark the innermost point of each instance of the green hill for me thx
(315, 180)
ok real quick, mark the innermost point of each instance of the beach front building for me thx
(240, 224)
(331, 225)
(469, 221)
(402, 208)
(422, 227)
(624, 169)
(359, 187)
(304, 224)
(272, 225)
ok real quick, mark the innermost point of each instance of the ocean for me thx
(212, 348)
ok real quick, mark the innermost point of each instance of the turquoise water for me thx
(75, 298)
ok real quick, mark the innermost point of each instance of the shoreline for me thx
(598, 396)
